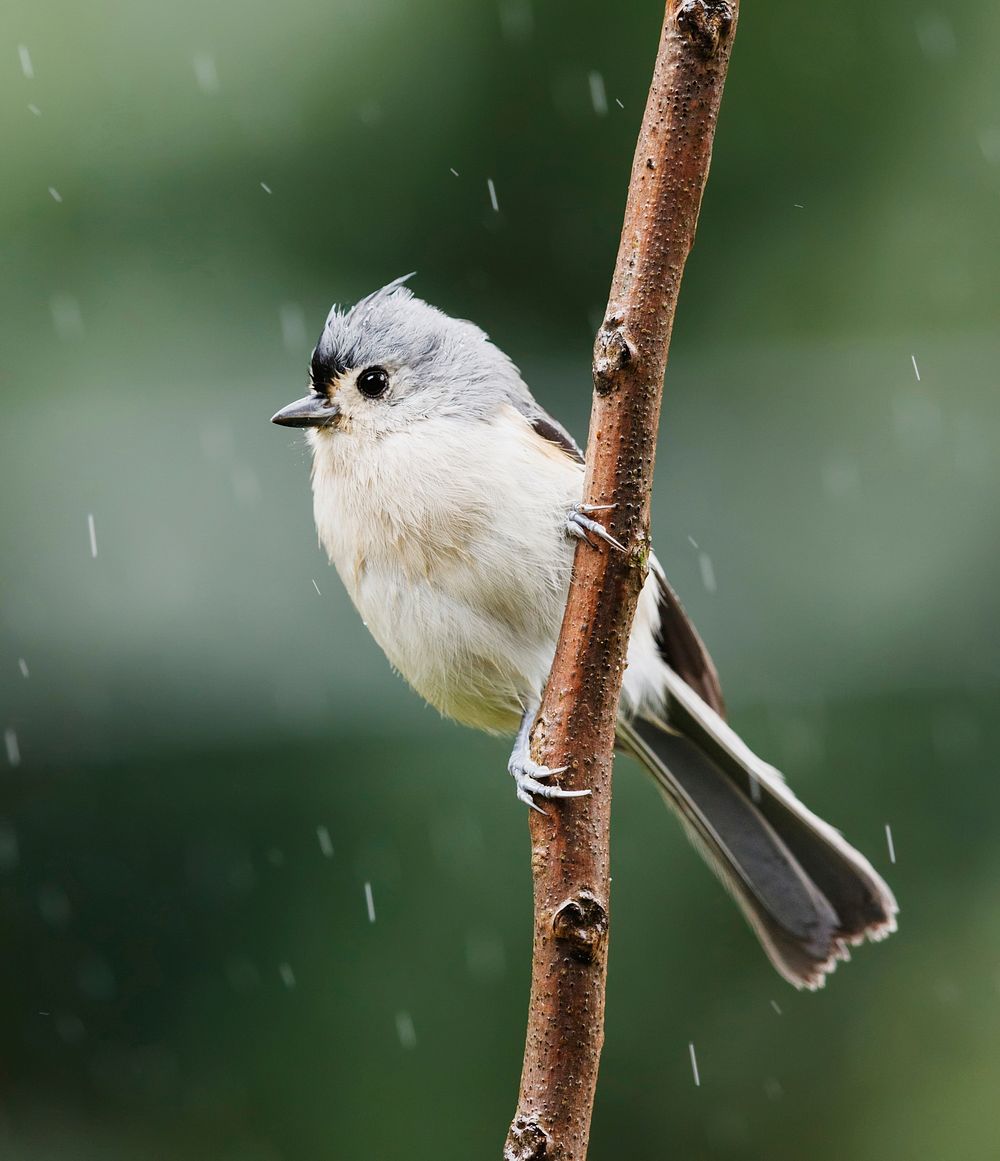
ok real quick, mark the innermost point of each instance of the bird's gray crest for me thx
(338, 313)
(449, 362)
(390, 288)
(442, 366)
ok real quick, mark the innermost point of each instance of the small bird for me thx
(449, 502)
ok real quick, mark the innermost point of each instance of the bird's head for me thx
(390, 361)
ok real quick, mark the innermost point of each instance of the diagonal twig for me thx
(575, 726)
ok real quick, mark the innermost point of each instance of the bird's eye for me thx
(373, 382)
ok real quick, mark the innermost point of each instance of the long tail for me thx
(806, 892)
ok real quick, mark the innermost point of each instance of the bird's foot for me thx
(529, 777)
(580, 525)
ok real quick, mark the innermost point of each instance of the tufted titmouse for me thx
(448, 500)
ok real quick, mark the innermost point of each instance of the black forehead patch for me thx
(326, 365)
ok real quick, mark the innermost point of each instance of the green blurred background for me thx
(206, 760)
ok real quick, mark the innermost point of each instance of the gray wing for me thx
(548, 428)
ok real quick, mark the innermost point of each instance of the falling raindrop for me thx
(370, 902)
(707, 572)
(205, 72)
(493, 195)
(326, 846)
(13, 748)
(598, 94)
(25, 57)
(694, 1066)
(405, 1031)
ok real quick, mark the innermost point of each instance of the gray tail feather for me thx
(807, 893)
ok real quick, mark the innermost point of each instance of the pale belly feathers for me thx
(450, 539)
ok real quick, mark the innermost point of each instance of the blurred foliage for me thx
(188, 974)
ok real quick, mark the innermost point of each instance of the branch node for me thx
(613, 351)
(582, 925)
(526, 1141)
(706, 24)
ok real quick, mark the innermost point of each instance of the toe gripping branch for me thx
(530, 777)
(580, 525)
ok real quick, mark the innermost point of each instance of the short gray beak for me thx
(313, 411)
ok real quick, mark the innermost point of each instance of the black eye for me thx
(373, 382)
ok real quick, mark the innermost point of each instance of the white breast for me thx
(450, 539)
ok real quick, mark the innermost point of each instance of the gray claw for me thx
(529, 779)
(526, 798)
(541, 772)
(528, 775)
(579, 525)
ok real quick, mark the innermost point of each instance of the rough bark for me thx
(575, 726)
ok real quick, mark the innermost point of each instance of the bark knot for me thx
(706, 24)
(613, 351)
(526, 1141)
(581, 924)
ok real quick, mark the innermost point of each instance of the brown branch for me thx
(576, 723)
